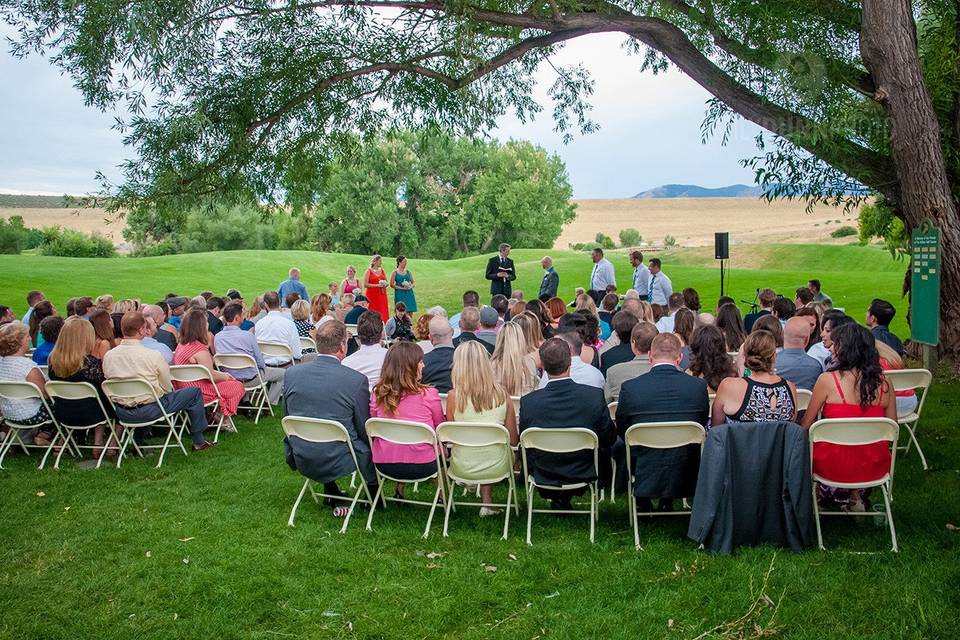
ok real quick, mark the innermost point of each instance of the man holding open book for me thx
(500, 272)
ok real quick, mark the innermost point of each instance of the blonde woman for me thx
(646, 312)
(320, 309)
(256, 311)
(345, 306)
(125, 306)
(15, 366)
(476, 397)
(586, 302)
(300, 312)
(350, 285)
(514, 366)
(105, 302)
(532, 335)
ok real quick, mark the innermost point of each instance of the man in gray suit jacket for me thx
(551, 280)
(326, 389)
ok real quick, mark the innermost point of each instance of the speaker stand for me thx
(721, 277)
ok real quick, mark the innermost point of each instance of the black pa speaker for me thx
(721, 245)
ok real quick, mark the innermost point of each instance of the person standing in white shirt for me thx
(368, 359)
(659, 289)
(603, 275)
(641, 275)
(278, 327)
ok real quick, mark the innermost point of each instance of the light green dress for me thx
(476, 463)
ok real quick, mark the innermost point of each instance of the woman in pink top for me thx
(400, 395)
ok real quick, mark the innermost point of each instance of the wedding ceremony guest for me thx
(501, 272)
(470, 299)
(556, 308)
(164, 334)
(532, 334)
(550, 281)
(333, 291)
(683, 325)
(369, 358)
(345, 399)
(277, 327)
(214, 308)
(660, 288)
(49, 331)
(288, 302)
(401, 280)
(802, 297)
(257, 310)
(300, 314)
(103, 327)
(233, 339)
(855, 388)
(292, 285)
(663, 394)
(150, 341)
(793, 363)
(577, 323)
(350, 283)
(731, 326)
(813, 319)
(375, 284)
(762, 396)
(488, 325)
(15, 366)
(890, 360)
(6, 314)
(399, 326)
(438, 362)
(178, 306)
(639, 341)
(517, 295)
(783, 309)
(476, 396)
(666, 322)
(33, 297)
(880, 314)
(818, 294)
(469, 325)
(772, 325)
(130, 359)
(602, 274)
(42, 309)
(623, 324)
(691, 299)
(421, 331)
(401, 394)
(321, 307)
(766, 297)
(501, 305)
(104, 302)
(578, 370)
(641, 274)
(823, 350)
(708, 357)
(562, 402)
(194, 348)
(356, 304)
(437, 310)
(722, 300)
(517, 307)
(608, 309)
(514, 366)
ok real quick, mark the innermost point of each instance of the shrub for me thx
(605, 242)
(843, 232)
(630, 238)
(669, 241)
(75, 244)
(13, 235)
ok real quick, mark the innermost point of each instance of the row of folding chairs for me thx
(664, 435)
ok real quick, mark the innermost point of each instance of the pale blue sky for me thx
(649, 130)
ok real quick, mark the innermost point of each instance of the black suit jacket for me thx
(665, 394)
(499, 285)
(623, 352)
(437, 367)
(470, 336)
(549, 285)
(564, 403)
(750, 318)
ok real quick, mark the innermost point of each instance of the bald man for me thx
(292, 285)
(164, 337)
(793, 363)
(438, 364)
(551, 280)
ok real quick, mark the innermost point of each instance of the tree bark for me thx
(888, 44)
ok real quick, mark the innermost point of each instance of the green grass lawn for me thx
(200, 547)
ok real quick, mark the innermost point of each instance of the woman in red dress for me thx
(855, 388)
(376, 283)
(194, 348)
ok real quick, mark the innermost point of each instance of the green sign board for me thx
(925, 284)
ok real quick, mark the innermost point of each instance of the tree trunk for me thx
(888, 44)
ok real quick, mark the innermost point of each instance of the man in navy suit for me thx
(665, 394)
(564, 404)
(501, 273)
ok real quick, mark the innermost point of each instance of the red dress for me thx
(851, 463)
(377, 295)
(231, 391)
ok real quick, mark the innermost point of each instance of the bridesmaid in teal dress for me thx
(402, 282)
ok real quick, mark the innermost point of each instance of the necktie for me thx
(593, 278)
(636, 275)
(653, 279)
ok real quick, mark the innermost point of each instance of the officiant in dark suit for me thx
(500, 272)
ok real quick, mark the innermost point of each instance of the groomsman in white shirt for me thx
(659, 289)
(641, 275)
(602, 276)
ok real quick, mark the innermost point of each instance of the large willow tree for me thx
(252, 98)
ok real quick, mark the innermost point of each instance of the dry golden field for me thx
(86, 220)
(693, 221)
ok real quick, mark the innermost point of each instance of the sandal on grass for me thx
(341, 512)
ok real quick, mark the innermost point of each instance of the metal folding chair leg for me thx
(293, 512)
(886, 504)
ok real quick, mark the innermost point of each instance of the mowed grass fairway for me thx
(200, 548)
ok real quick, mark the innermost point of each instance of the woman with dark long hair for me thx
(537, 308)
(855, 388)
(730, 323)
(684, 322)
(104, 330)
(42, 310)
(708, 357)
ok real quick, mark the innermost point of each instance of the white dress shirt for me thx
(602, 275)
(159, 347)
(641, 279)
(368, 360)
(659, 289)
(581, 373)
(820, 352)
(665, 324)
(278, 327)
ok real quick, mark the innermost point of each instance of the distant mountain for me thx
(695, 191)
(22, 201)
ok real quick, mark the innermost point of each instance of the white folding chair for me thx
(186, 373)
(45, 370)
(803, 399)
(612, 408)
(321, 431)
(306, 342)
(856, 432)
(710, 398)
(276, 350)
(19, 391)
(405, 432)
(918, 381)
(473, 435)
(351, 329)
(559, 440)
(443, 403)
(256, 388)
(119, 390)
(658, 435)
(62, 392)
